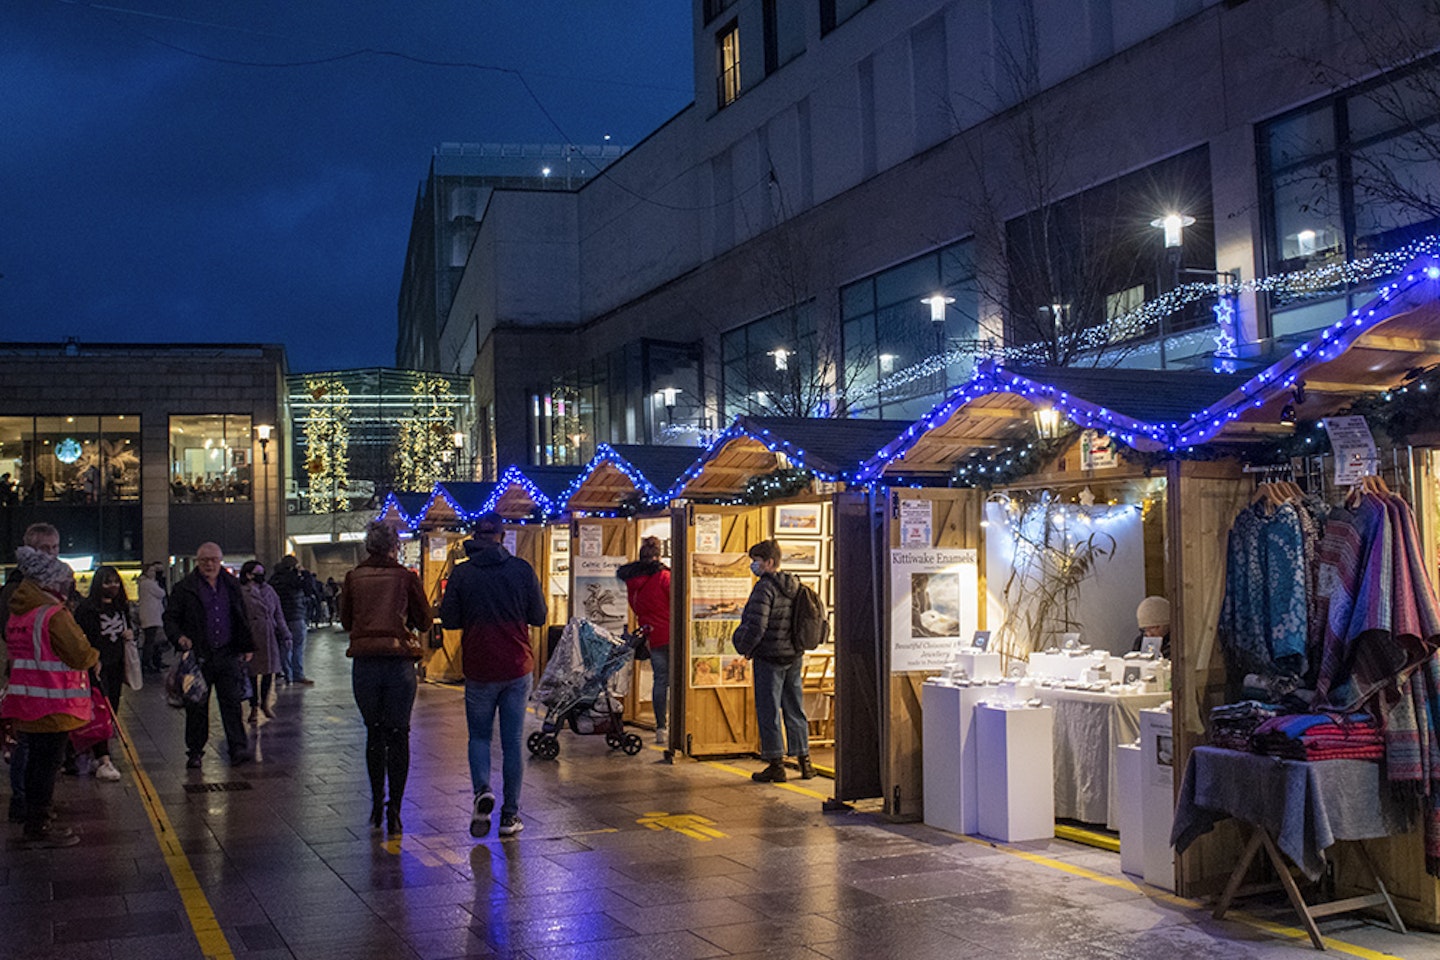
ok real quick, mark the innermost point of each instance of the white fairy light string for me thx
(1149, 314)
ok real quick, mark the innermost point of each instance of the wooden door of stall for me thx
(859, 638)
(531, 543)
(440, 550)
(954, 524)
(616, 541)
(709, 587)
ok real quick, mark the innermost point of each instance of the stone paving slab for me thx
(290, 868)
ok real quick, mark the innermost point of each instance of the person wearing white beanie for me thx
(1153, 619)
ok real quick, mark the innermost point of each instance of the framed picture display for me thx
(799, 520)
(813, 582)
(798, 556)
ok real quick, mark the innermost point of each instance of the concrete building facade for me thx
(865, 196)
(140, 452)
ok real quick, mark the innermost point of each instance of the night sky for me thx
(155, 186)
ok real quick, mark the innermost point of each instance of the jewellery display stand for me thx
(1132, 809)
(1018, 801)
(950, 755)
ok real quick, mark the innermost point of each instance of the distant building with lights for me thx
(868, 195)
(141, 452)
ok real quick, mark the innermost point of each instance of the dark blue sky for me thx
(151, 191)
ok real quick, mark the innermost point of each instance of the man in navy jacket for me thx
(494, 598)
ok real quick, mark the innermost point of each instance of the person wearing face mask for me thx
(104, 615)
(764, 635)
(269, 631)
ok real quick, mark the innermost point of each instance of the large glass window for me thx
(1352, 175)
(69, 459)
(888, 330)
(774, 366)
(835, 12)
(210, 458)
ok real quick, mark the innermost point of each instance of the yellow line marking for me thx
(1154, 893)
(197, 907)
(716, 764)
(1090, 838)
(691, 825)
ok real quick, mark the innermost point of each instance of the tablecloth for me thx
(1306, 807)
(1088, 728)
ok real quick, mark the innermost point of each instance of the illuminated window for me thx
(210, 458)
(727, 50)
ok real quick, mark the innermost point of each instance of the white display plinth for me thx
(979, 664)
(948, 716)
(1132, 809)
(1017, 796)
(1157, 753)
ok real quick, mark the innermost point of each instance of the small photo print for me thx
(935, 604)
(705, 672)
(735, 671)
(799, 520)
(800, 554)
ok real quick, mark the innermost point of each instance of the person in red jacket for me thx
(647, 586)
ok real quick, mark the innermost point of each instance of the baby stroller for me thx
(582, 688)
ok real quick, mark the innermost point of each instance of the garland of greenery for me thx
(996, 468)
(776, 485)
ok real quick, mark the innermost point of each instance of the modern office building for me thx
(141, 452)
(868, 195)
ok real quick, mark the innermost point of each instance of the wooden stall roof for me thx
(627, 472)
(450, 504)
(534, 492)
(833, 449)
(402, 508)
(1371, 350)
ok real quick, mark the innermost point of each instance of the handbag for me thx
(101, 726)
(185, 683)
(134, 676)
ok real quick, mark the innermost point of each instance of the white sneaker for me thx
(106, 771)
(662, 736)
(480, 818)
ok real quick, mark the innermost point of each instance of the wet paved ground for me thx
(613, 864)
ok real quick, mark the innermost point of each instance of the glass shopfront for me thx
(210, 458)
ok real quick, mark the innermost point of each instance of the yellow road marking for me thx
(804, 792)
(691, 825)
(197, 907)
(1154, 893)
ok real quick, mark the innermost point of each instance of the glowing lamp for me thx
(1047, 422)
(938, 302)
(1174, 225)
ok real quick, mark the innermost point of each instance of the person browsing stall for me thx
(1153, 619)
(647, 587)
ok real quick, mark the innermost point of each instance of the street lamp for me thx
(1047, 422)
(782, 358)
(1174, 225)
(667, 397)
(938, 302)
(262, 432)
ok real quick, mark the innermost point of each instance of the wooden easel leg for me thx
(1291, 889)
(1237, 876)
(1395, 922)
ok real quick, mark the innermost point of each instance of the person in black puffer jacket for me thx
(764, 635)
(289, 583)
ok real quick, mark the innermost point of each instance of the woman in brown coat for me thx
(384, 609)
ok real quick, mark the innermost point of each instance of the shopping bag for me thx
(101, 726)
(185, 683)
(134, 676)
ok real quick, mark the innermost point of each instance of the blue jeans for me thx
(660, 690)
(777, 691)
(482, 701)
(295, 664)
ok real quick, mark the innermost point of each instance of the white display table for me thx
(1017, 800)
(979, 664)
(950, 755)
(1088, 727)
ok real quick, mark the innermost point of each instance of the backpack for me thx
(808, 625)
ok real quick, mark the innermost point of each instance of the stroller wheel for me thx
(548, 749)
(613, 741)
(632, 745)
(534, 741)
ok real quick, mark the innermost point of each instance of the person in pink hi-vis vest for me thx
(49, 693)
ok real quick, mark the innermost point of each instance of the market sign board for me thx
(935, 602)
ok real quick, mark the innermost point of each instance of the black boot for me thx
(375, 766)
(774, 773)
(397, 767)
(393, 826)
(807, 769)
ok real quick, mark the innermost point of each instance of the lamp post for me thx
(667, 397)
(937, 303)
(262, 432)
(1173, 226)
(458, 438)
